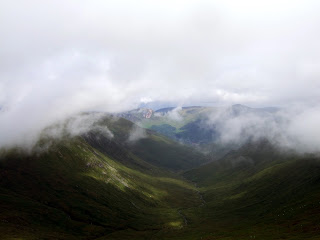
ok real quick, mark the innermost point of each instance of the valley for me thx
(99, 187)
(159, 120)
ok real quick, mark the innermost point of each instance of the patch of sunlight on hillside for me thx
(175, 224)
(239, 195)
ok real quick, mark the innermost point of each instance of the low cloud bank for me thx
(136, 133)
(295, 128)
(175, 115)
(60, 58)
(76, 125)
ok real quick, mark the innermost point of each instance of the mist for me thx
(292, 128)
(136, 133)
(61, 58)
(175, 115)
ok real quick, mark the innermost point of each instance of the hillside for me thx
(150, 146)
(260, 192)
(88, 186)
(96, 187)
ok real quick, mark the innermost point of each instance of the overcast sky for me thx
(61, 57)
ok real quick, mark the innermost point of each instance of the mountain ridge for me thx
(97, 186)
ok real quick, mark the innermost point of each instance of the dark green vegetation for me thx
(197, 132)
(153, 148)
(165, 129)
(93, 187)
(259, 192)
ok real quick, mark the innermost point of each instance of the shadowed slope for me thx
(260, 191)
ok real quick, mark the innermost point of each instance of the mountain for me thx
(137, 115)
(154, 148)
(91, 186)
(194, 125)
(176, 123)
(98, 186)
(206, 128)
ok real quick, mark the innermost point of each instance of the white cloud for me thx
(174, 114)
(58, 58)
(305, 130)
(296, 128)
(136, 133)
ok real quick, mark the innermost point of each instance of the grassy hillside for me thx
(152, 147)
(92, 187)
(259, 192)
(74, 191)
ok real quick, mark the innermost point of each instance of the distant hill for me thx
(171, 122)
(194, 126)
(166, 110)
(137, 115)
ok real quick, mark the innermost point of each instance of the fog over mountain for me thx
(291, 128)
(60, 58)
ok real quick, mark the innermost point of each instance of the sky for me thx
(59, 58)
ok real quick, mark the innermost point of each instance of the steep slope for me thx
(150, 146)
(89, 187)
